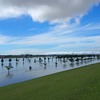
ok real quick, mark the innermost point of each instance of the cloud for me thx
(46, 10)
(59, 34)
(24, 51)
(4, 39)
(63, 36)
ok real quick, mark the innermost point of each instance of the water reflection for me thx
(37, 67)
(71, 64)
(77, 63)
(16, 63)
(45, 67)
(9, 75)
(64, 65)
(56, 64)
(23, 63)
(2, 64)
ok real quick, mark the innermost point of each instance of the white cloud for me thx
(63, 36)
(60, 34)
(46, 10)
(4, 39)
(24, 51)
(93, 26)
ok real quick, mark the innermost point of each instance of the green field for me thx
(77, 84)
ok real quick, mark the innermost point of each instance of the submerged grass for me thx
(77, 84)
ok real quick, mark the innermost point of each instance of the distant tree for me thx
(17, 60)
(30, 68)
(44, 58)
(23, 59)
(71, 60)
(10, 59)
(77, 59)
(8, 68)
(2, 60)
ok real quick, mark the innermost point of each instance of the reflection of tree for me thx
(34, 60)
(56, 64)
(29, 60)
(72, 64)
(41, 64)
(64, 60)
(2, 64)
(23, 63)
(77, 63)
(64, 65)
(45, 65)
(16, 63)
(9, 75)
(8, 68)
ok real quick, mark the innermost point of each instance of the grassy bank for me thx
(77, 84)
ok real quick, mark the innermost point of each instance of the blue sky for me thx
(37, 27)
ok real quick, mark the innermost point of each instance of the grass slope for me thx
(77, 84)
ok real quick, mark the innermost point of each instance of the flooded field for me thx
(29, 68)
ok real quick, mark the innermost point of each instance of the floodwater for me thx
(30, 68)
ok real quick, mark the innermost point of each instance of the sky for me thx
(49, 26)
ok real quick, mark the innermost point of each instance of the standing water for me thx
(29, 68)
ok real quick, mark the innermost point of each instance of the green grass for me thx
(77, 84)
